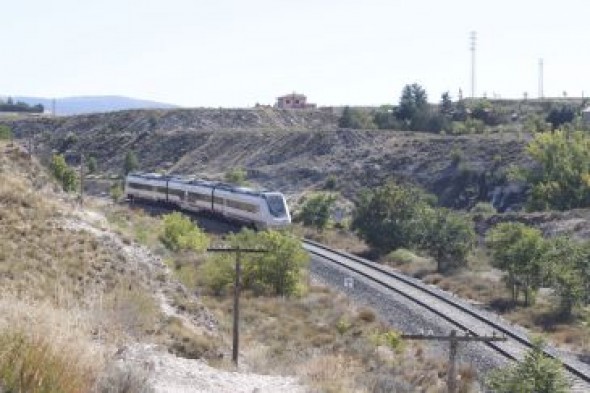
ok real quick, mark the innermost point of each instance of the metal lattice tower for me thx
(473, 38)
(541, 94)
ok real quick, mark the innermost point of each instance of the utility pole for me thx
(473, 38)
(237, 287)
(81, 179)
(453, 340)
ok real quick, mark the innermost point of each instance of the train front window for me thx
(276, 205)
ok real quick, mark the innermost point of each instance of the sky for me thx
(231, 53)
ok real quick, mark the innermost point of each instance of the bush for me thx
(447, 236)
(535, 373)
(116, 192)
(131, 163)
(180, 233)
(387, 218)
(63, 173)
(5, 132)
(402, 255)
(483, 208)
(236, 176)
(316, 211)
(278, 271)
(218, 273)
(518, 250)
(563, 183)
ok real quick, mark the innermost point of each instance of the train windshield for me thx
(276, 205)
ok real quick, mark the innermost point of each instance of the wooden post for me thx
(453, 340)
(237, 287)
(452, 383)
(81, 179)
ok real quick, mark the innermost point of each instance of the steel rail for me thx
(423, 288)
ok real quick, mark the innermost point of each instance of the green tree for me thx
(316, 211)
(356, 119)
(131, 162)
(560, 116)
(563, 181)
(447, 236)
(92, 165)
(518, 250)
(236, 176)
(536, 373)
(63, 173)
(180, 233)
(568, 264)
(5, 132)
(278, 271)
(446, 104)
(388, 217)
(412, 101)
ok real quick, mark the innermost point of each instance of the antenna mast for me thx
(541, 95)
(473, 38)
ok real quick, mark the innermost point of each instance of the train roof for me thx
(198, 182)
(221, 186)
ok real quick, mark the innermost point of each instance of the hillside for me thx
(289, 150)
(77, 105)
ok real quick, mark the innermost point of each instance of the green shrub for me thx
(278, 271)
(535, 373)
(483, 208)
(5, 132)
(63, 173)
(316, 211)
(180, 233)
(236, 176)
(402, 255)
(218, 273)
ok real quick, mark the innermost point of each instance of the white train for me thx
(261, 209)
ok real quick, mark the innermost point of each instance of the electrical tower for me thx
(541, 95)
(473, 38)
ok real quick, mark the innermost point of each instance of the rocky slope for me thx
(289, 150)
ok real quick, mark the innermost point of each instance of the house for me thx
(586, 115)
(293, 101)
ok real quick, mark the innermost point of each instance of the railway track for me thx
(456, 312)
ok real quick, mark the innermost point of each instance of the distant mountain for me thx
(91, 104)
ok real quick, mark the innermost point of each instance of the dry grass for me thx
(326, 342)
(44, 348)
(68, 296)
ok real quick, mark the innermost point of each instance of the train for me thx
(259, 209)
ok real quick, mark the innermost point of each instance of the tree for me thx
(63, 173)
(563, 181)
(536, 373)
(412, 101)
(316, 211)
(568, 264)
(389, 217)
(446, 104)
(92, 165)
(131, 162)
(518, 250)
(447, 236)
(559, 116)
(279, 271)
(180, 233)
